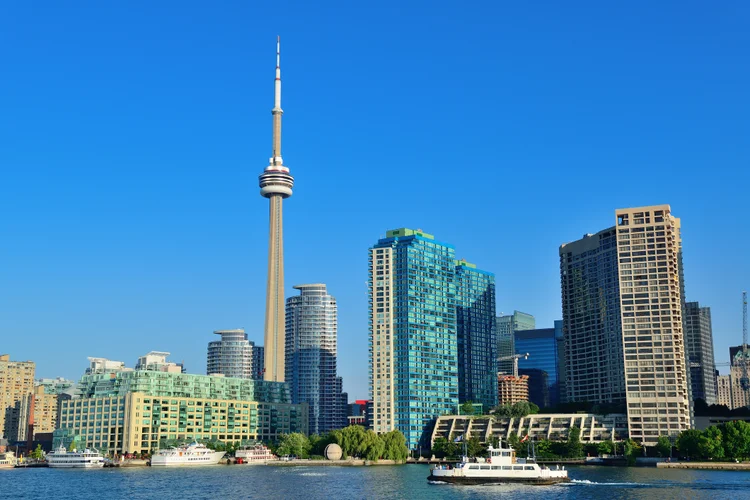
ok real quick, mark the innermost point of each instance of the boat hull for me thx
(541, 481)
(183, 462)
(96, 465)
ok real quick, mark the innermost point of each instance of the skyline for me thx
(126, 162)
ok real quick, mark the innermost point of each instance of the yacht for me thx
(7, 460)
(254, 454)
(86, 459)
(502, 466)
(186, 455)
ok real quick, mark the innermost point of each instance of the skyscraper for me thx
(275, 184)
(542, 346)
(476, 338)
(311, 350)
(699, 343)
(622, 320)
(506, 326)
(232, 356)
(16, 381)
(413, 349)
(259, 361)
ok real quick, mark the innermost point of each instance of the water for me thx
(397, 482)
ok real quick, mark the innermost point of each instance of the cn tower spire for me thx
(277, 111)
(275, 184)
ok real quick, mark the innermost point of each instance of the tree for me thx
(605, 448)
(372, 446)
(474, 448)
(73, 445)
(514, 442)
(712, 446)
(689, 443)
(394, 446)
(467, 408)
(736, 438)
(352, 440)
(664, 446)
(574, 449)
(543, 448)
(295, 444)
(444, 448)
(631, 450)
(38, 453)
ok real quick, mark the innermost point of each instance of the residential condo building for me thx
(16, 382)
(412, 333)
(311, 355)
(476, 337)
(622, 297)
(232, 356)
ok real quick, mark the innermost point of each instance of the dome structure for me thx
(333, 452)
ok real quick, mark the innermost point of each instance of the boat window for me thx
(495, 467)
(473, 467)
(506, 453)
(507, 467)
(486, 467)
(529, 467)
(518, 467)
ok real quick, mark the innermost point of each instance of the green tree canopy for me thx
(664, 446)
(38, 453)
(605, 448)
(736, 439)
(574, 449)
(712, 446)
(689, 443)
(467, 408)
(394, 446)
(295, 444)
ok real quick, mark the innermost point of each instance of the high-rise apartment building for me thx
(275, 184)
(506, 326)
(699, 342)
(740, 396)
(476, 337)
(232, 356)
(157, 361)
(622, 295)
(542, 346)
(311, 355)
(38, 414)
(413, 348)
(16, 382)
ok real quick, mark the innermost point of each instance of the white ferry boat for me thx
(86, 459)
(7, 460)
(502, 466)
(255, 454)
(181, 456)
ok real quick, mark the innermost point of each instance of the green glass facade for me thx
(476, 336)
(418, 273)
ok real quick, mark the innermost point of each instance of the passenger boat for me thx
(86, 459)
(7, 460)
(254, 454)
(187, 455)
(502, 466)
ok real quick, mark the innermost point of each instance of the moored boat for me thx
(64, 459)
(254, 454)
(7, 460)
(501, 466)
(187, 455)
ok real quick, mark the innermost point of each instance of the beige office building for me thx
(724, 391)
(16, 381)
(739, 395)
(623, 294)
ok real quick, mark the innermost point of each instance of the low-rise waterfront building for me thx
(134, 411)
(554, 426)
(512, 389)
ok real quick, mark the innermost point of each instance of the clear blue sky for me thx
(132, 135)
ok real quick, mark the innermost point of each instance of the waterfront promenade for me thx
(704, 465)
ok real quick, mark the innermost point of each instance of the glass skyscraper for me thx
(699, 343)
(476, 337)
(543, 348)
(311, 348)
(413, 347)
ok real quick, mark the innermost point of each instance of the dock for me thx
(704, 465)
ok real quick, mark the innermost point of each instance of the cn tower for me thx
(275, 184)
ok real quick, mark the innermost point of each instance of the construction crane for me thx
(515, 359)
(745, 380)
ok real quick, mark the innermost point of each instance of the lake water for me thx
(400, 482)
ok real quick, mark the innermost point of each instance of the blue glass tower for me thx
(543, 364)
(476, 335)
(413, 349)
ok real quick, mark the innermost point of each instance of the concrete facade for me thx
(553, 426)
(16, 383)
(724, 391)
(511, 390)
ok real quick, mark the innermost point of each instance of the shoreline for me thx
(704, 465)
